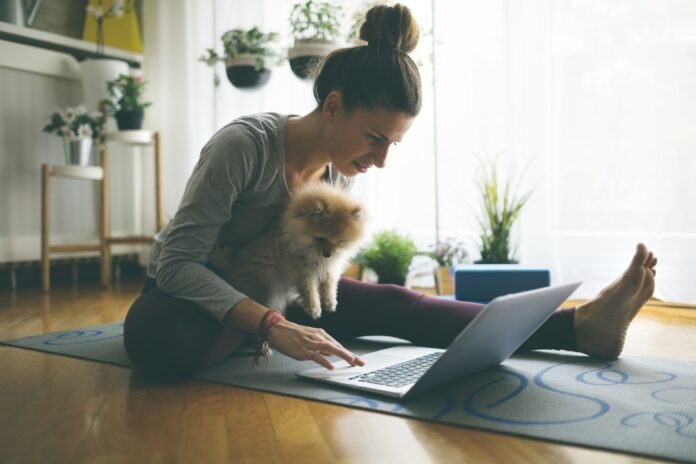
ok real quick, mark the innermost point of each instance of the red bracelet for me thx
(271, 318)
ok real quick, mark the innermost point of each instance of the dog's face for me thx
(324, 219)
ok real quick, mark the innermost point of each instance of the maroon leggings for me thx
(171, 337)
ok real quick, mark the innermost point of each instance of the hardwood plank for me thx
(298, 435)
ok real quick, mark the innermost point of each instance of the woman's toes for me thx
(641, 256)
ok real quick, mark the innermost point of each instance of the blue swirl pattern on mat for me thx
(676, 420)
(471, 406)
(609, 376)
(76, 337)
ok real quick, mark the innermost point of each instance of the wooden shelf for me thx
(80, 49)
(77, 172)
(133, 137)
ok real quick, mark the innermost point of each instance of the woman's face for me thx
(358, 140)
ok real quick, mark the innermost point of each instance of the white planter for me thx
(95, 74)
(304, 55)
(77, 152)
(244, 59)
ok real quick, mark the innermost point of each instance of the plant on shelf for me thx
(316, 28)
(390, 256)
(117, 9)
(125, 101)
(245, 56)
(448, 253)
(501, 206)
(78, 128)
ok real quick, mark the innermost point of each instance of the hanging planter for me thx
(316, 29)
(306, 53)
(246, 53)
(244, 72)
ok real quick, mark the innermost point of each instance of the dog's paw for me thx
(329, 304)
(313, 311)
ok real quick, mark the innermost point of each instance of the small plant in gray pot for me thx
(390, 256)
(316, 30)
(246, 56)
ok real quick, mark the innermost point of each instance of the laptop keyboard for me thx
(400, 374)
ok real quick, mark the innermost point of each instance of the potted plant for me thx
(315, 28)
(78, 128)
(500, 211)
(124, 101)
(245, 56)
(448, 253)
(497, 272)
(390, 256)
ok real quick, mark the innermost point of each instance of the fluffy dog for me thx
(302, 256)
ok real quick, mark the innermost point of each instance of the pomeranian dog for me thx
(301, 257)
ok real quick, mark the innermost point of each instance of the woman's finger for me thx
(319, 359)
(338, 350)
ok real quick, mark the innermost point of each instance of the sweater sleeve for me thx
(224, 170)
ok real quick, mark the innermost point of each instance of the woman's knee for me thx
(167, 337)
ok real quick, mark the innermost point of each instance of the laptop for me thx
(501, 327)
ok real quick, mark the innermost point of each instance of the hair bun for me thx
(390, 28)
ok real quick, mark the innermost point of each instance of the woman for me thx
(188, 318)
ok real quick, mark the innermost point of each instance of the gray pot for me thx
(77, 151)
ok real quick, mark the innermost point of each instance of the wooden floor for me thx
(58, 409)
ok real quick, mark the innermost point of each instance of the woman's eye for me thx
(374, 138)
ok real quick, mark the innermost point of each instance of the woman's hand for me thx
(308, 343)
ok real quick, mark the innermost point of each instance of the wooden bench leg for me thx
(45, 229)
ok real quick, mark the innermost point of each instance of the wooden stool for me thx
(71, 172)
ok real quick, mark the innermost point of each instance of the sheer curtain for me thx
(596, 100)
(592, 101)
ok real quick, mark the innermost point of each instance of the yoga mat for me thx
(634, 405)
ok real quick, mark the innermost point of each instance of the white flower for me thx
(97, 115)
(65, 131)
(84, 131)
(80, 110)
(96, 11)
(69, 115)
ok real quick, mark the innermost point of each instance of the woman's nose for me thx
(380, 157)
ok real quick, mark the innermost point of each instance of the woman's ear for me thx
(332, 103)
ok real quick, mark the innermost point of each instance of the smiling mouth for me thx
(360, 166)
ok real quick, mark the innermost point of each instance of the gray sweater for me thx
(236, 191)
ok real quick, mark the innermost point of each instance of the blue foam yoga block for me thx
(483, 282)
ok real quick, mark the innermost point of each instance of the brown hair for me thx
(379, 75)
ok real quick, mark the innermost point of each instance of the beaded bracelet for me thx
(271, 318)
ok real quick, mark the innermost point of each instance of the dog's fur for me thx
(302, 256)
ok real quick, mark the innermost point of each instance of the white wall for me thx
(33, 82)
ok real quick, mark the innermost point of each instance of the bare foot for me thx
(600, 324)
